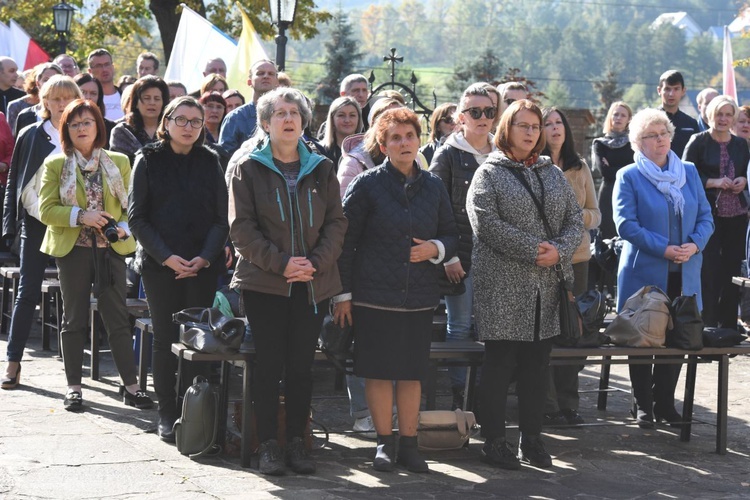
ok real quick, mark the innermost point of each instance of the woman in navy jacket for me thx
(662, 214)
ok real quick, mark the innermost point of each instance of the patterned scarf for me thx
(668, 181)
(98, 159)
(615, 140)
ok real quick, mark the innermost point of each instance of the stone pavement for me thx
(111, 451)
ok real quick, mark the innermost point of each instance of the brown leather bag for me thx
(643, 321)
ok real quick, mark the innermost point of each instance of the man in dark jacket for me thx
(8, 77)
(671, 90)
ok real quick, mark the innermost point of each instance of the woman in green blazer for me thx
(83, 202)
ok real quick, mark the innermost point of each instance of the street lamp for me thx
(282, 15)
(63, 15)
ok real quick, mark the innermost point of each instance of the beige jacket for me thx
(583, 187)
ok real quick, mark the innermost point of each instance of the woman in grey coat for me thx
(516, 287)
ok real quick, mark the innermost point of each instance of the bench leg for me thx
(58, 320)
(601, 403)
(5, 306)
(144, 358)
(687, 402)
(471, 383)
(94, 345)
(44, 312)
(223, 402)
(246, 452)
(721, 403)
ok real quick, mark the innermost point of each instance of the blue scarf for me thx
(667, 181)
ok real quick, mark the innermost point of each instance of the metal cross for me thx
(393, 60)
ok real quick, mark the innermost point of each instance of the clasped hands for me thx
(734, 185)
(680, 254)
(185, 268)
(547, 254)
(299, 269)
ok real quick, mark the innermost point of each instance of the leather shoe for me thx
(671, 416)
(572, 417)
(73, 401)
(644, 419)
(271, 460)
(531, 451)
(166, 429)
(12, 382)
(555, 419)
(139, 400)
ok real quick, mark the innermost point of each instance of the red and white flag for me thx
(21, 47)
(730, 88)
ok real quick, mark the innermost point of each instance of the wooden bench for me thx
(51, 311)
(137, 308)
(145, 331)
(11, 277)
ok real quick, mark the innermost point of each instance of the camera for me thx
(110, 230)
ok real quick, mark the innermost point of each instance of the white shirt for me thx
(30, 193)
(112, 105)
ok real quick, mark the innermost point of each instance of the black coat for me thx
(385, 213)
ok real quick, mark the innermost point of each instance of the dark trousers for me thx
(76, 271)
(285, 332)
(33, 264)
(722, 258)
(654, 385)
(166, 296)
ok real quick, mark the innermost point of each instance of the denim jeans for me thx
(33, 264)
(357, 402)
(459, 309)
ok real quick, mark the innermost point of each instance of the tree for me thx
(341, 57)
(485, 67)
(608, 91)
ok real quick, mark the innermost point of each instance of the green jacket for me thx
(60, 236)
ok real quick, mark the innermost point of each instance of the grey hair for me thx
(644, 119)
(267, 102)
(718, 102)
(351, 80)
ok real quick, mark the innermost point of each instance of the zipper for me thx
(281, 207)
(309, 205)
(301, 236)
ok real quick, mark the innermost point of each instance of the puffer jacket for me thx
(267, 232)
(385, 213)
(354, 160)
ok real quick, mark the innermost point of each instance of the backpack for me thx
(198, 427)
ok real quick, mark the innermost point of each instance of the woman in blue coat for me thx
(662, 214)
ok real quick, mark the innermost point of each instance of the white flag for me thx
(4, 40)
(19, 44)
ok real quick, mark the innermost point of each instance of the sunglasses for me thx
(476, 113)
(509, 101)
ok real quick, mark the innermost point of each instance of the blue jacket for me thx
(238, 126)
(642, 220)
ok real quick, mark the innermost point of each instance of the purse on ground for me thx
(445, 430)
(198, 427)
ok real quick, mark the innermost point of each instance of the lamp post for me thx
(62, 15)
(282, 15)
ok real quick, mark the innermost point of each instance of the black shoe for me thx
(572, 417)
(165, 430)
(298, 458)
(556, 419)
(271, 458)
(671, 416)
(458, 398)
(408, 455)
(644, 419)
(139, 400)
(531, 451)
(499, 453)
(12, 382)
(385, 453)
(73, 401)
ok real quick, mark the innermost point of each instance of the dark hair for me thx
(213, 97)
(83, 79)
(233, 93)
(97, 53)
(134, 118)
(672, 77)
(503, 129)
(185, 100)
(125, 80)
(570, 159)
(147, 56)
(439, 114)
(29, 82)
(75, 109)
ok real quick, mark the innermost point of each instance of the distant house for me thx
(681, 20)
(741, 23)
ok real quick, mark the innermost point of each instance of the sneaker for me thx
(499, 453)
(365, 427)
(572, 417)
(555, 419)
(531, 451)
(298, 458)
(271, 458)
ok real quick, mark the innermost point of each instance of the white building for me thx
(681, 20)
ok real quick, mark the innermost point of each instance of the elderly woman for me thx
(562, 397)
(178, 214)
(390, 285)
(83, 202)
(455, 163)
(441, 126)
(344, 119)
(516, 297)
(721, 159)
(287, 225)
(26, 110)
(34, 145)
(214, 106)
(148, 97)
(662, 214)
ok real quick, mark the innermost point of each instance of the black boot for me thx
(384, 453)
(408, 455)
(531, 451)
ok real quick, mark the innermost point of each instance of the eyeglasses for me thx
(663, 135)
(509, 101)
(181, 121)
(528, 127)
(476, 113)
(84, 124)
(447, 119)
(101, 65)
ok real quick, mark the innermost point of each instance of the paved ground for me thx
(111, 451)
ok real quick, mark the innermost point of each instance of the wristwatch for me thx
(79, 218)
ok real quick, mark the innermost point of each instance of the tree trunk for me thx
(168, 18)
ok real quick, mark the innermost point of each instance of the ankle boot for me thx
(408, 455)
(384, 453)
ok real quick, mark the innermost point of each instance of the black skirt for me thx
(391, 345)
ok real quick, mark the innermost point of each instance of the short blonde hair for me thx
(611, 112)
(643, 120)
(718, 102)
(57, 87)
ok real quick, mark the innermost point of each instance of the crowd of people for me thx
(365, 219)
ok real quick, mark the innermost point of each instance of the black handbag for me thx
(208, 330)
(571, 323)
(336, 343)
(687, 332)
(721, 337)
(593, 307)
(606, 252)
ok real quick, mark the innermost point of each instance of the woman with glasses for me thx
(722, 159)
(148, 96)
(344, 119)
(178, 214)
(83, 202)
(441, 126)
(516, 285)
(214, 107)
(455, 163)
(662, 214)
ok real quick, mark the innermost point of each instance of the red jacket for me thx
(6, 148)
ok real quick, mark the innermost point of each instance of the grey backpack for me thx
(198, 427)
